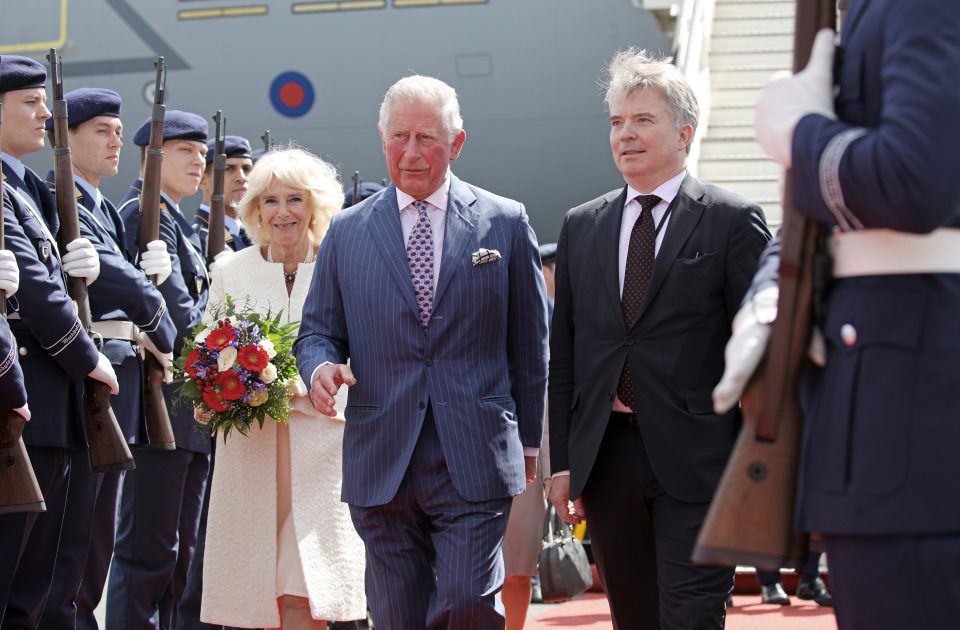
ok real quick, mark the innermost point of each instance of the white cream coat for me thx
(239, 573)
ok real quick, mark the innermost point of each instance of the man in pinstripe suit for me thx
(432, 288)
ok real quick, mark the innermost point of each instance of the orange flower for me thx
(231, 385)
(252, 357)
(221, 337)
(213, 400)
(191, 363)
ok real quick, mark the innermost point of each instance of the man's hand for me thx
(81, 260)
(784, 101)
(326, 380)
(155, 261)
(560, 497)
(9, 273)
(744, 350)
(105, 374)
(530, 466)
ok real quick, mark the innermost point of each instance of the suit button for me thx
(629, 341)
(848, 334)
(23, 351)
(422, 405)
(429, 362)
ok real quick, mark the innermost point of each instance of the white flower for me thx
(267, 345)
(228, 356)
(202, 335)
(269, 374)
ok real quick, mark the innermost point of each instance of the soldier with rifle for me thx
(55, 353)
(239, 163)
(149, 573)
(130, 315)
(871, 138)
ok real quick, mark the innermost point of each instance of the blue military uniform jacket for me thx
(234, 240)
(881, 432)
(55, 353)
(185, 293)
(12, 391)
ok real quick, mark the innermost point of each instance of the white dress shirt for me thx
(436, 210)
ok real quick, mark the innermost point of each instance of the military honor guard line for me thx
(438, 342)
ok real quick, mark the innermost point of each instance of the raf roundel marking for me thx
(291, 94)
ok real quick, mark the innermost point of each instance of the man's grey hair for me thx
(634, 69)
(429, 91)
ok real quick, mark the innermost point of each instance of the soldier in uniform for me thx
(128, 312)
(871, 135)
(55, 353)
(160, 501)
(239, 165)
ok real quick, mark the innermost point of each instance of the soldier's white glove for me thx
(9, 273)
(221, 258)
(81, 260)
(751, 333)
(155, 261)
(105, 374)
(164, 358)
(24, 411)
(785, 100)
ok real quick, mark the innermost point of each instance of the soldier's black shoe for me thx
(774, 594)
(815, 590)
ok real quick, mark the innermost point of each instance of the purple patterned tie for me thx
(420, 258)
(636, 279)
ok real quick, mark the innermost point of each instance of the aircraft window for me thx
(342, 5)
(432, 3)
(206, 14)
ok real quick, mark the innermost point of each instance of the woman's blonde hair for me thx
(299, 169)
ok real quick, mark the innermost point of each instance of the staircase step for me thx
(716, 148)
(715, 134)
(751, 43)
(727, 78)
(726, 165)
(782, 25)
(781, 56)
(752, 190)
(744, 97)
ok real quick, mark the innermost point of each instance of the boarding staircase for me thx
(728, 49)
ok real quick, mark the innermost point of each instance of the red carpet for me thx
(590, 611)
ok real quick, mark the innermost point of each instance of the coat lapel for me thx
(461, 224)
(685, 213)
(607, 220)
(383, 222)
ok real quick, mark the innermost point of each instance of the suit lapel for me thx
(383, 222)
(461, 224)
(607, 220)
(685, 213)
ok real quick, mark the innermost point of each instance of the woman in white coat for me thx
(281, 550)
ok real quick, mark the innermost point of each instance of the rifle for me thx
(159, 430)
(215, 227)
(750, 521)
(19, 490)
(356, 188)
(267, 142)
(107, 449)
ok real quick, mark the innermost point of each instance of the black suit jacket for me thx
(705, 263)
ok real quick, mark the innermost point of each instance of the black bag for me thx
(564, 569)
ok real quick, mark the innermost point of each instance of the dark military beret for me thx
(177, 125)
(233, 146)
(548, 251)
(257, 154)
(21, 73)
(367, 189)
(87, 103)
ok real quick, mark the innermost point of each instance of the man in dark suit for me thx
(872, 143)
(432, 289)
(648, 279)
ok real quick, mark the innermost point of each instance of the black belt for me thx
(626, 420)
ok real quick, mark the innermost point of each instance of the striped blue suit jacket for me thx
(481, 365)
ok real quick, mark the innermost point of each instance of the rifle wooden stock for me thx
(159, 429)
(216, 240)
(19, 490)
(106, 447)
(751, 518)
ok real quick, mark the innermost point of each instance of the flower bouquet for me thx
(239, 369)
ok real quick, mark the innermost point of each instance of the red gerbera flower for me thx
(191, 364)
(252, 357)
(231, 385)
(220, 338)
(214, 401)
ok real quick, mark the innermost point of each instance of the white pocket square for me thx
(483, 256)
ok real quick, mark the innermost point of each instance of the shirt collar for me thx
(91, 191)
(666, 191)
(437, 198)
(18, 167)
(230, 223)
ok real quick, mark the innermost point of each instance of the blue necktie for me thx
(420, 259)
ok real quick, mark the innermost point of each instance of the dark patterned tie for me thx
(636, 279)
(420, 259)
